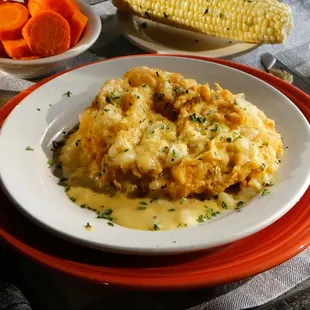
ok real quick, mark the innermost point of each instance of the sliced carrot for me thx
(75, 5)
(35, 7)
(65, 8)
(47, 34)
(2, 51)
(13, 17)
(17, 48)
(77, 25)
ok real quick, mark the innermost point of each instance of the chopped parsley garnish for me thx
(211, 213)
(50, 163)
(278, 161)
(105, 215)
(174, 154)
(239, 205)
(265, 144)
(126, 150)
(106, 110)
(162, 127)
(88, 225)
(215, 128)
(221, 15)
(165, 15)
(201, 218)
(77, 142)
(143, 203)
(156, 227)
(73, 199)
(141, 208)
(171, 210)
(262, 167)
(265, 192)
(182, 200)
(159, 96)
(224, 205)
(205, 12)
(110, 224)
(144, 25)
(229, 139)
(99, 174)
(68, 93)
(108, 99)
(28, 148)
(50, 105)
(153, 199)
(157, 74)
(194, 118)
(147, 14)
(38, 109)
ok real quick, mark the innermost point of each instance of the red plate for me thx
(264, 250)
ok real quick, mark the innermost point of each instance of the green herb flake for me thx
(38, 109)
(156, 227)
(73, 199)
(126, 150)
(265, 192)
(229, 139)
(201, 218)
(171, 210)
(147, 14)
(174, 154)
(50, 105)
(110, 224)
(68, 93)
(105, 215)
(144, 25)
(182, 200)
(224, 205)
(143, 203)
(215, 128)
(28, 148)
(205, 12)
(141, 208)
(88, 225)
(50, 163)
(165, 15)
(221, 15)
(106, 110)
(239, 205)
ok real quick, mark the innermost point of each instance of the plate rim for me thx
(290, 91)
(141, 42)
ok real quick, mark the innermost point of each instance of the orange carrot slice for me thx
(77, 25)
(13, 17)
(17, 48)
(63, 7)
(47, 34)
(35, 7)
(2, 51)
(75, 5)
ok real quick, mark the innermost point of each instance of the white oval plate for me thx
(31, 185)
(163, 39)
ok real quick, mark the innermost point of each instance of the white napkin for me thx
(239, 295)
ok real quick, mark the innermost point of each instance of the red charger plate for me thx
(257, 253)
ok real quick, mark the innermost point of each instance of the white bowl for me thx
(30, 183)
(44, 66)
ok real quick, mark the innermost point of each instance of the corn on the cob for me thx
(255, 21)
